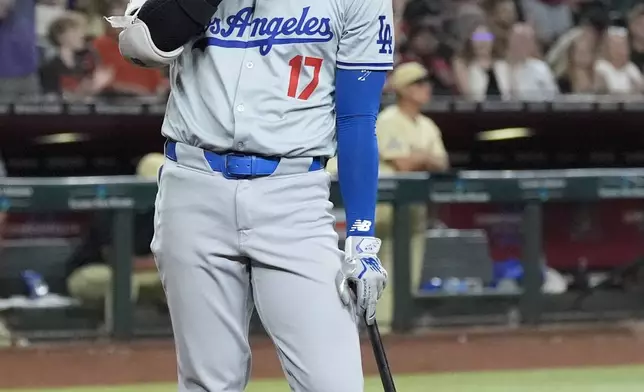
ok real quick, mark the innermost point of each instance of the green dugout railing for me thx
(124, 195)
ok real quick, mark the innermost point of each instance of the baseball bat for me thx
(381, 357)
(379, 352)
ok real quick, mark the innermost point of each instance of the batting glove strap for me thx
(362, 277)
(356, 246)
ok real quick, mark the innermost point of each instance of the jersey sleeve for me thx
(367, 41)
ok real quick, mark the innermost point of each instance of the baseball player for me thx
(262, 92)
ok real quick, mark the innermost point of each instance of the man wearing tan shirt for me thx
(408, 141)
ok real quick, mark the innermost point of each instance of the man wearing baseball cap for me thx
(408, 141)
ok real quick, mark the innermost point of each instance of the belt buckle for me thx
(231, 176)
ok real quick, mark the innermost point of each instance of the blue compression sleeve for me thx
(357, 104)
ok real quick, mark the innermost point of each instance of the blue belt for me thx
(234, 165)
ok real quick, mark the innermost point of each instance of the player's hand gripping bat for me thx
(363, 279)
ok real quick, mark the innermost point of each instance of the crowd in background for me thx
(525, 49)
(475, 49)
(65, 49)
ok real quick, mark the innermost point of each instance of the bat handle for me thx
(379, 352)
(381, 358)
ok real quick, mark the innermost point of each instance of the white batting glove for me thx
(362, 277)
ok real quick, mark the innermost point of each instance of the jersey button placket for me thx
(242, 126)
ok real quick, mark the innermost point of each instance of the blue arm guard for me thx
(357, 96)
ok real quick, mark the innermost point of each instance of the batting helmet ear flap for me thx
(172, 23)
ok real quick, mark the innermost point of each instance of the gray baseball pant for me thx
(224, 246)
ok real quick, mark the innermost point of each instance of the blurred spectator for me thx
(476, 68)
(614, 72)
(550, 18)
(89, 273)
(620, 9)
(421, 12)
(502, 15)
(579, 75)
(467, 16)
(424, 47)
(18, 50)
(48, 11)
(399, 9)
(594, 21)
(129, 79)
(636, 30)
(95, 12)
(521, 76)
(73, 73)
(408, 140)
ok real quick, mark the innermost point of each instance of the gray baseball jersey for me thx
(261, 78)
